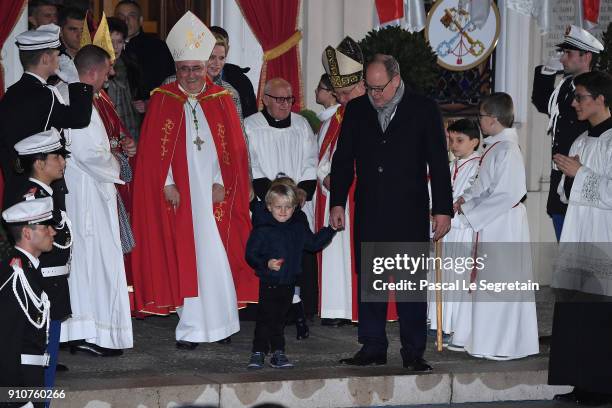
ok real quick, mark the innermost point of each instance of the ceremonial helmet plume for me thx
(344, 64)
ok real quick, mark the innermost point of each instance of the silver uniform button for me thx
(380, 169)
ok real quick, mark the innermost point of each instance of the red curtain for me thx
(10, 10)
(274, 23)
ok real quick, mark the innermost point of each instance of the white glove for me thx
(67, 70)
(553, 66)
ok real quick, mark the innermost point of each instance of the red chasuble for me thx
(164, 259)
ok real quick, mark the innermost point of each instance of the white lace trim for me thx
(590, 189)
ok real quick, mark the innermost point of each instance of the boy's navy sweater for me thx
(271, 239)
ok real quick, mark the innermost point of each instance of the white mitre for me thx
(190, 39)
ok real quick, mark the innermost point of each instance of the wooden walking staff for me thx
(438, 294)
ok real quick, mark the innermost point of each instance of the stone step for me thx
(347, 387)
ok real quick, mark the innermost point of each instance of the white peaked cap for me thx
(43, 142)
(35, 211)
(577, 38)
(45, 37)
(190, 39)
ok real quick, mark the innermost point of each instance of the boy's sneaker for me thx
(280, 360)
(256, 361)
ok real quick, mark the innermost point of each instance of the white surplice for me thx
(336, 284)
(325, 117)
(97, 282)
(213, 315)
(292, 150)
(457, 304)
(588, 266)
(503, 324)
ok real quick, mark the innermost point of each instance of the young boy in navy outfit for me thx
(274, 250)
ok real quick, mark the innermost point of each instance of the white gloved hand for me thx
(553, 66)
(67, 70)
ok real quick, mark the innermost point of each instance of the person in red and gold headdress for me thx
(191, 191)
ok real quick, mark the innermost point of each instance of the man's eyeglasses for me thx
(484, 115)
(377, 89)
(282, 99)
(185, 70)
(579, 98)
(322, 88)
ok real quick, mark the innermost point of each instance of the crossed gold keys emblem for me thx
(462, 37)
(461, 43)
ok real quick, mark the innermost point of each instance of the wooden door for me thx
(160, 15)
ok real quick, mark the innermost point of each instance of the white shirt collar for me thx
(471, 156)
(37, 77)
(47, 188)
(31, 257)
(190, 95)
(508, 134)
(327, 113)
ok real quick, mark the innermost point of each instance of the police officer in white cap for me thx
(42, 158)
(579, 52)
(25, 306)
(31, 105)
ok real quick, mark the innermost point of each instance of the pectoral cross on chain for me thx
(198, 142)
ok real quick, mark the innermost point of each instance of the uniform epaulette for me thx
(16, 261)
(30, 194)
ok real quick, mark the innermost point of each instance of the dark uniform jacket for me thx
(391, 196)
(19, 335)
(271, 239)
(236, 77)
(567, 130)
(56, 287)
(24, 111)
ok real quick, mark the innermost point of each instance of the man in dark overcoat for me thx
(389, 139)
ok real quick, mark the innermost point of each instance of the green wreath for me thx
(417, 60)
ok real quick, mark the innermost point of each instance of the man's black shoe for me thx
(186, 345)
(363, 359)
(417, 365)
(568, 397)
(94, 350)
(61, 367)
(227, 340)
(584, 398)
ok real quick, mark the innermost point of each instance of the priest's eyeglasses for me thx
(282, 99)
(186, 70)
(579, 98)
(377, 89)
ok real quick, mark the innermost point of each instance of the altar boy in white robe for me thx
(580, 350)
(504, 324)
(101, 323)
(463, 142)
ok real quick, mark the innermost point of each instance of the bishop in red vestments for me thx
(190, 199)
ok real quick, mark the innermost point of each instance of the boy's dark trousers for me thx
(274, 303)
